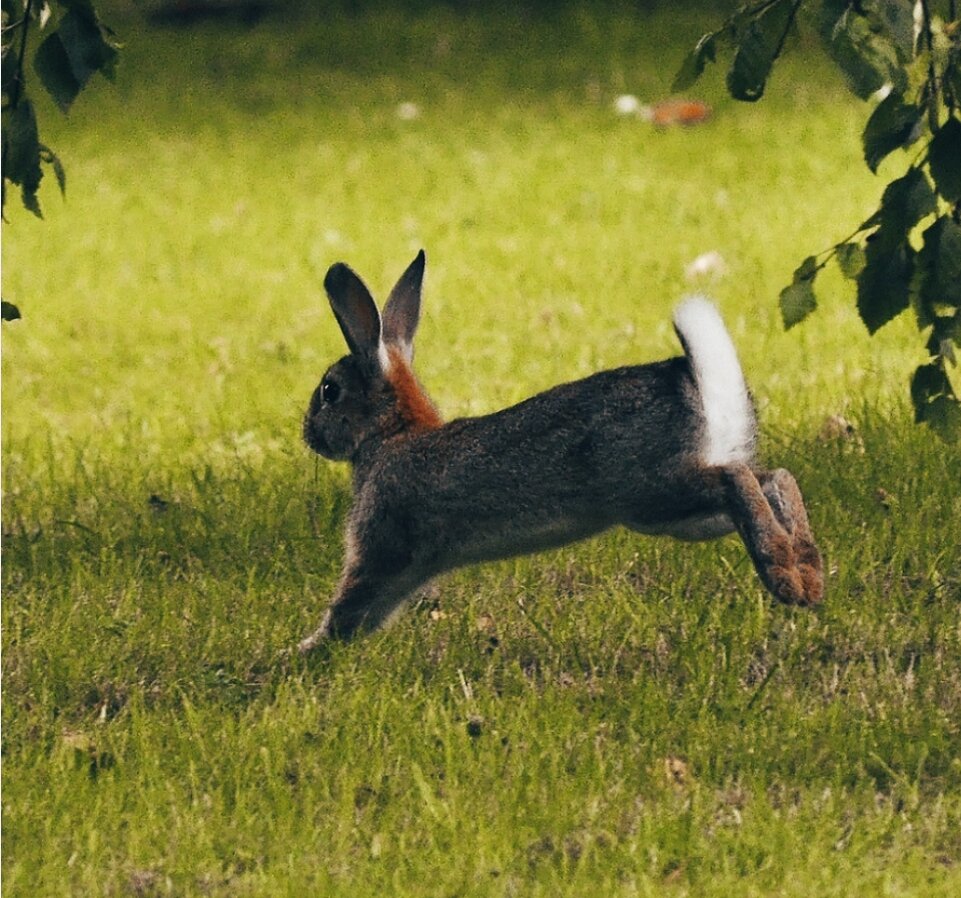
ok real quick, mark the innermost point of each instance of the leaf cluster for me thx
(75, 45)
(906, 58)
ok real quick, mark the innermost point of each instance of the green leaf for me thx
(9, 71)
(30, 202)
(695, 61)
(939, 269)
(897, 19)
(69, 57)
(952, 78)
(807, 270)
(53, 160)
(944, 160)
(8, 311)
(863, 52)
(21, 152)
(927, 382)
(905, 201)
(943, 415)
(884, 286)
(87, 45)
(850, 258)
(934, 400)
(52, 65)
(797, 300)
(892, 125)
(759, 44)
(942, 341)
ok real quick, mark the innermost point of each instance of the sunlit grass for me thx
(622, 717)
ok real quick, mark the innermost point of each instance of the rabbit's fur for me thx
(664, 448)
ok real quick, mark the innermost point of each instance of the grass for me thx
(622, 717)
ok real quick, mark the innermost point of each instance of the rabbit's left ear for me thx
(402, 310)
(356, 313)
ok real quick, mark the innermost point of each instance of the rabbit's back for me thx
(569, 462)
(585, 437)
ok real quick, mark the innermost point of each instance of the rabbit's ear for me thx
(356, 312)
(402, 310)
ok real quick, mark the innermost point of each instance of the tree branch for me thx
(17, 91)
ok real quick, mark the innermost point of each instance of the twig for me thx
(932, 84)
(18, 76)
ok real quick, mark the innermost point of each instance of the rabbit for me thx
(662, 448)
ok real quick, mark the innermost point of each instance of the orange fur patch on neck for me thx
(415, 406)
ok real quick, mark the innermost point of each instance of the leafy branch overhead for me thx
(75, 45)
(905, 57)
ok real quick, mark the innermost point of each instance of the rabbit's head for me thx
(371, 394)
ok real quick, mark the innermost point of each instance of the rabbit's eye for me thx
(330, 391)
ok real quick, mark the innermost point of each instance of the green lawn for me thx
(622, 717)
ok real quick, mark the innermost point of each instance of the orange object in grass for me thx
(676, 112)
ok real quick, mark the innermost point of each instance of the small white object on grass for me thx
(627, 104)
(709, 263)
(407, 112)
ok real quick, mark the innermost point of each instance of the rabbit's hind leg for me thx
(782, 492)
(768, 541)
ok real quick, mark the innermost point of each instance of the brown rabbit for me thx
(664, 448)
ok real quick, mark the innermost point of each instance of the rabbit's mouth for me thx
(313, 438)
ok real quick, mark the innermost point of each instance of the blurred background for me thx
(245, 146)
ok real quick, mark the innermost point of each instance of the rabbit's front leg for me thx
(353, 608)
(363, 601)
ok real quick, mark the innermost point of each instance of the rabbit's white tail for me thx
(728, 410)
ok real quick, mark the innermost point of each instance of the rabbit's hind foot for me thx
(772, 521)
